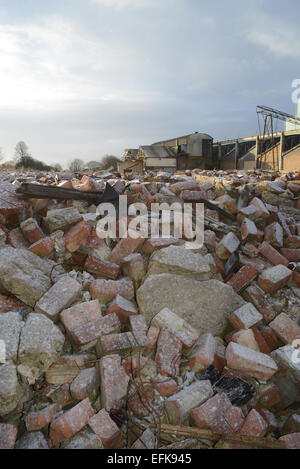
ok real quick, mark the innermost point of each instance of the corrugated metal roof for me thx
(203, 135)
(151, 151)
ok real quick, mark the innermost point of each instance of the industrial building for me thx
(180, 153)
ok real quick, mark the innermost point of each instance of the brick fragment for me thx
(109, 433)
(80, 314)
(268, 396)
(203, 354)
(113, 382)
(292, 441)
(217, 414)
(274, 235)
(152, 336)
(272, 254)
(245, 317)
(85, 384)
(122, 307)
(37, 420)
(254, 425)
(60, 296)
(179, 406)
(165, 386)
(285, 328)
(71, 422)
(168, 353)
(242, 279)
(246, 338)
(139, 329)
(270, 420)
(248, 229)
(16, 239)
(134, 267)
(263, 211)
(275, 278)
(90, 332)
(8, 435)
(258, 298)
(227, 246)
(146, 441)
(106, 290)
(118, 343)
(253, 363)
(31, 230)
(293, 255)
(180, 328)
(126, 246)
(43, 248)
(98, 266)
(152, 245)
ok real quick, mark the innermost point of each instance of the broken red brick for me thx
(165, 386)
(213, 414)
(80, 314)
(109, 433)
(203, 354)
(285, 328)
(242, 279)
(257, 297)
(253, 363)
(152, 336)
(31, 230)
(122, 307)
(293, 255)
(179, 405)
(260, 340)
(8, 304)
(168, 353)
(126, 246)
(270, 338)
(77, 235)
(274, 235)
(106, 290)
(60, 296)
(37, 420)
(8, 435)
(92, 331)
(272, 254)
(113, 382)
(107, 269)
(254, 425)
(292, 441)
(71, 422)
(43, 248)
(275, 278)
(268, 396)
(152, 245)
(86, 384)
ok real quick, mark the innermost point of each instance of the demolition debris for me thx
(150, 343)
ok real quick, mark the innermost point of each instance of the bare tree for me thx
(76, 165)
(21, 152)
(109, 161)
(1, 154)
(57, 167)
(93, 165)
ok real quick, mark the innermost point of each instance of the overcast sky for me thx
(82, 78)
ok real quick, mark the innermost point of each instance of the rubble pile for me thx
(143, 343)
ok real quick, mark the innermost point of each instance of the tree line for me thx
(24, 160)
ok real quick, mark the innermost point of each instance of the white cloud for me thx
(51, 64)
(276, 36)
